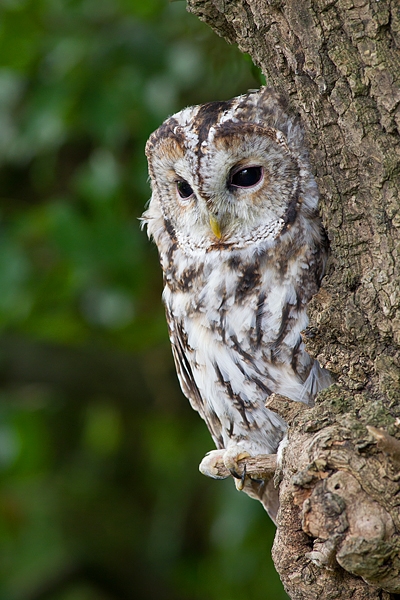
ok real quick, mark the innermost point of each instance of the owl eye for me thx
(246, 177)
(184, 189)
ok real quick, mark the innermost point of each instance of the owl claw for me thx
(235, 474)
(231, 457)
(239, 479)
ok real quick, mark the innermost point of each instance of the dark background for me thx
(100, 493)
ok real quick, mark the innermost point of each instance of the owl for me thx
(234, 214)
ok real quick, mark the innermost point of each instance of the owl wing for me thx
(180, 351)
(179, 345)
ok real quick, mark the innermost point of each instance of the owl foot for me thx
(231, 457)
(210, 465)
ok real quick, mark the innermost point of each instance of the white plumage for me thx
(234, 215)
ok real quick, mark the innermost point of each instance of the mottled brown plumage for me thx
(234, 215)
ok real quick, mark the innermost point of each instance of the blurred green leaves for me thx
(82, 84)
(100, 495)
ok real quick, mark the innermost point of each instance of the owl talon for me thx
(231, 458)
(235, 474)
(240, 479)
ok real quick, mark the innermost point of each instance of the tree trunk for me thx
(338, 533)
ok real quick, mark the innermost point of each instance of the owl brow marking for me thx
(168, 129)
(207, 116)
(227, 129)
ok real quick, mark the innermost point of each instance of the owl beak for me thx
(214, 224)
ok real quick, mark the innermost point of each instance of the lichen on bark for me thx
(338, 61)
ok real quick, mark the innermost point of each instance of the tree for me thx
(338, 533)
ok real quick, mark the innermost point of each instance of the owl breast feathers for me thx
(234, 215)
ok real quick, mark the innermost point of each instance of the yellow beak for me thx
(215, 227)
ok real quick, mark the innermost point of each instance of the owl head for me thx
(229, 174)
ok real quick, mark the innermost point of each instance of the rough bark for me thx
(338, 533)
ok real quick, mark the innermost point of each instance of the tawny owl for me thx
(234, 215)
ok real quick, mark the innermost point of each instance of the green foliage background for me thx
(100, 495)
